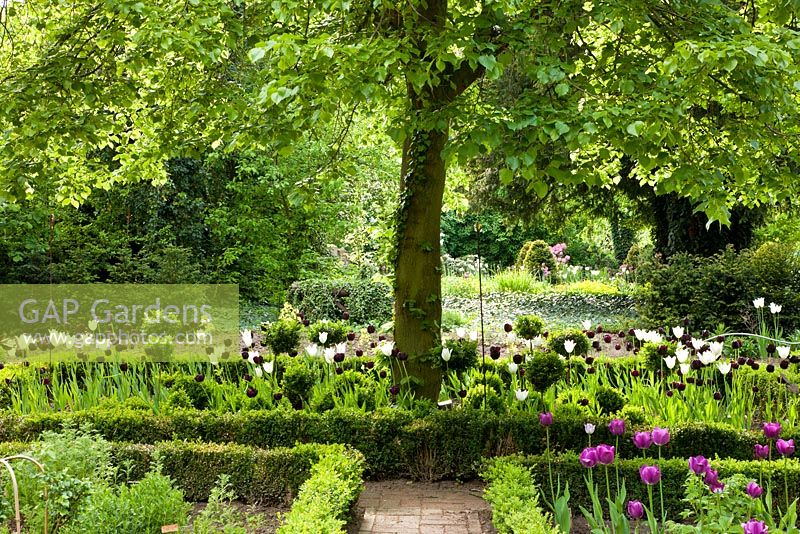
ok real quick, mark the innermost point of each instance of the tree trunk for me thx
(418, 304)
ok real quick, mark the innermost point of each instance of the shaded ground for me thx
(405, 507)
(257, 519)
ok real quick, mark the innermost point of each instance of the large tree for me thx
(658, 82)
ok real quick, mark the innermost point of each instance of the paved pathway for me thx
(403, 507)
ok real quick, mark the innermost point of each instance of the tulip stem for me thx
(608, 495)
(616, 464)
(785, 479)
(661, 489)
(550, 467)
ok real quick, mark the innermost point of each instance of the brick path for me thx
(402, 507)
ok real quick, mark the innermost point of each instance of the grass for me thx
(516, 281)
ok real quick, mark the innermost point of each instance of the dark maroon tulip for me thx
(382, 374)
(507, 327)
(199, 377)
(521, 371)
(247, 378)
(546, 335)
(720, 339)
(628, 345)
(306, 323)
(46, 381)
(9, 381)
(359, 353)
(370, 364)
(686, 321)
(589, 360)
(736, 344)
(518, 358)
(338, 357)
(381, 338)
(2, 366)
(771, 348)
(661, 330)
(631, 332)
(402, 356)
(258, 360)
(681, 386)
(696, 364)
(277, 396)
(584, 402)
(705, 334)
(770, 368)
(755, 366)
(735, 365)
(596, 345)
(690, 380)
(351, 336)
(717, 396)
(741, 360)
(784, 364)
(635, 373)
(590, 370)
(589, 334)
(686, 338)
(617, 346)
(339, 370)
(755, 389)
(494, 352)
(245, 355)
(607, 338)
(662, 350)
(394, 390)
(370, 329)
(669, 393)
(462, 393)
(621, 334)
(292, 353)
(123, 367)
(346, 316)
(794, 359)
(251, 392)
(395, 350)
(372, 344)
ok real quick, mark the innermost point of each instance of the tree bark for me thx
(418, 304)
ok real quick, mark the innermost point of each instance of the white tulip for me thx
(341, 348)
(446, 353)
(323, 337)
(521, 394)
(251, 355)
(677, 331)
(386, 348)
(783, 351)
(775, 308)
(758, 303)
(512, 337)
(312, 350)
(259, 372)
(682, 354)
(639, 334)
(707, 357)
(512, 367)
(589, 428)
(587, 325)
(247, 338)
(329, 352)
(716, 348)
(538, 341)
(473, 336)
(724, 367)
(685, 368)
(461, 332)
(269, 367)
(569, 346)
(670, 361)
(697, 344)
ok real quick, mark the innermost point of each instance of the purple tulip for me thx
(650, 474)
(716, 487)
(642, 440)
(546, 419)
(785, 447)
(761, 451)
(771, 430)
(605, 454)
(589, 457)
(660, 436)
(635, 509)
(698, 465)
(754, 527)
(712, 477)
(754, 490)
(617, 427)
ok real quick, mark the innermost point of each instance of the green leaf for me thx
(489, 62)
(634, 128)
(506, 176)
(540, 188)
(256, 54)
(562, 89)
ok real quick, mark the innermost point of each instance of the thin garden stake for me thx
(478, 229)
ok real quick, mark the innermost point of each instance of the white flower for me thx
(473, 336)
(259, 372)
(716, 348)
(682, 354)
(640, 334)
(446, 353)
(569, 345)
(589, 428)
(323, 337)
(247, 338)
(512, 337)
(724, 367)
(783, 351)
(685, 367)
(697, 344)
(312, 350)
(587, 325)
(758, 303)
(269, 367)
(538, 341)
(386, 348)
(341, 348)
(670, 361)
(708, 357)
(521, 394)
(677, 331)
(461, 332)
(562, 358)
(251, 355)
(512, 367)
(329, 352)
(775, 308)
(595, 272)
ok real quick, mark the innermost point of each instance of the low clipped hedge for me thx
(256, 475)
(443, 444)
(327, 497)
(674, 471)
